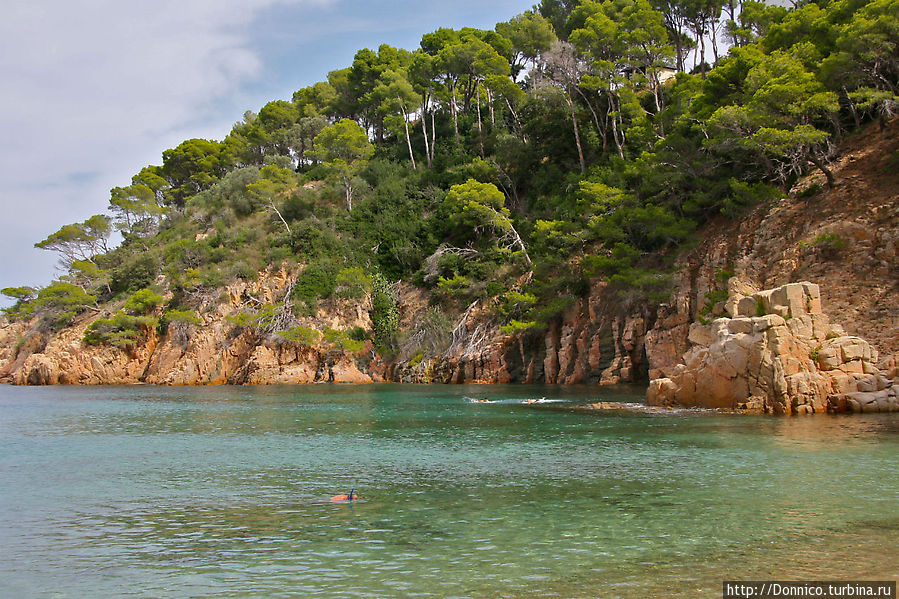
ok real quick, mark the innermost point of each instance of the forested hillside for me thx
(578, 143)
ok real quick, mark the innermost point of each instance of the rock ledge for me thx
(776, 352)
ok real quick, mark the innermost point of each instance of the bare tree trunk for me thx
(490, 104)
(408, 137)
(852, 108)
(837, 128)
(453, 110)
(520, 244)
(508, 185)
(654, 82)
(424, 129)
(433, 134)
(348, 187)
(605, 126)
(518, 126)
(731, 9)
(714, 36)
(577, 134)
(702, 57)
(512, 235)
(271, 204)
(480, 128)
(828, 174)
(615, 127)
(599, 128)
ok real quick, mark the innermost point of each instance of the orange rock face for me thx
(801, 362)
(216, 352)
(795, 363)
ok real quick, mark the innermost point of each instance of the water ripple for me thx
(224, 493)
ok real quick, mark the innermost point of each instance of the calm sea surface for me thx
(223, 492)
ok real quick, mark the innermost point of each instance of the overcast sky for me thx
(91, 91)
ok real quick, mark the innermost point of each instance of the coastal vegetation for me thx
(577, 142)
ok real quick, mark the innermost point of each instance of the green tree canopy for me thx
(79, 241)
(479, 207)
(344, 148)
(777, 121)
(530, 34)
(135, 209)
(273, 181)
(195, 165)
(19, 293)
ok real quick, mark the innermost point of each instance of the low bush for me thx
(143, 302)
(122, 330)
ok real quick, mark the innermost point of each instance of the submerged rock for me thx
(787, 359)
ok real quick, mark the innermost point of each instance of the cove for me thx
(223, 492)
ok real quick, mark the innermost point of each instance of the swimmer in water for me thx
(346, 497)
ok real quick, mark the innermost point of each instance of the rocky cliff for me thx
(217, 351)
(776, 351)
(845, 238)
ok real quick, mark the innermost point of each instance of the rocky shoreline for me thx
(777, 352)
(771, 351)
(602, 338)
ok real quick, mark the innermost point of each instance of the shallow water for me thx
(223, 492)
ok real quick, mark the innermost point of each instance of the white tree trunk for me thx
(455, 118)
(577, 135)
(480, 129)
(408, 137)
(424, 129)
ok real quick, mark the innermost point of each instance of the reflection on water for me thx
(222, 492)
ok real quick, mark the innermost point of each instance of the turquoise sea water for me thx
(223, 492)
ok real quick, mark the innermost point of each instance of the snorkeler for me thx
(346, 497)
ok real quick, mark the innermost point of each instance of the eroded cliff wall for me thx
(846, 239)
(215, 352)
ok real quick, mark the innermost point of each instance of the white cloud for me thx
(92, 91)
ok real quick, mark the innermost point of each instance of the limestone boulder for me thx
(791, 300)
(791, 360)
(741, 305)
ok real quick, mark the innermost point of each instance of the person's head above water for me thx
(351, 496)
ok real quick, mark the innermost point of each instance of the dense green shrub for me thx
(59, 303)
(143, 302)
(258, 319)
(315, 282)
(829, 244)
(341, 341)
(122, 330)
(385, 314)
(313, 238)
(188, 317)
(516, 304)
(23, 308)
(300, 335)
(136, 272)
(352, 283)
(297, 206)
(518, 326)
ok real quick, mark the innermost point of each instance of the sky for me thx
(92, 91)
